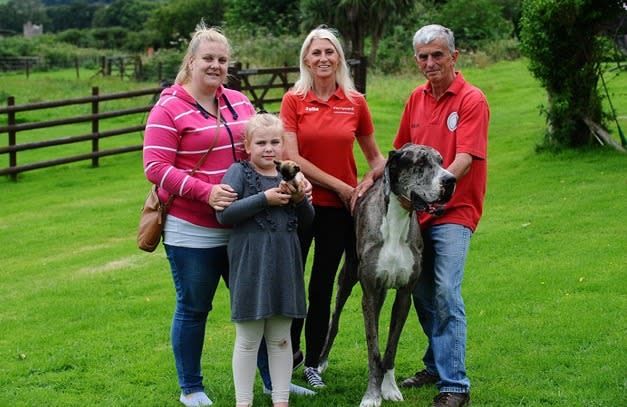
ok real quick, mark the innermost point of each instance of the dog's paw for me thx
(389, 389)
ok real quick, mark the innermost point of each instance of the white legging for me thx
(248, 336)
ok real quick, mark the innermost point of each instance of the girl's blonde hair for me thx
(342, 75)
(262, 121)
(202, 33)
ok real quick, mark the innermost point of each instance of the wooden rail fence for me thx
(264, 87)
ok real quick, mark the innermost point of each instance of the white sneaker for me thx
(198, 399)
(294, 389)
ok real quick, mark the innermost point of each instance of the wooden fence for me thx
(263, 86)
(18, 64)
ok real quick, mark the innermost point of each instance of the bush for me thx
(563, 40)
(395, 53)
(109, 38)
(164, 65)
(264, 49)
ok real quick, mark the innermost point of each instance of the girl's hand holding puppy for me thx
(297, 191)
(277, 196)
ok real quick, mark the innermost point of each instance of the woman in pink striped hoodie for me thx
(181, 128)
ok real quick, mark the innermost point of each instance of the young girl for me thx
(266, 270)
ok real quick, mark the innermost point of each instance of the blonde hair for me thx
(262, 121)
(342, 75)
(202, 33)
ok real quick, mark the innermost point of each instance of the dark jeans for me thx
(196, 274)
(333, 233)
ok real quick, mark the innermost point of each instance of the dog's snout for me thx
(448, 187)
(449, 180)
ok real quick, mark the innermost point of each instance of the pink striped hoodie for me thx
(178, 133)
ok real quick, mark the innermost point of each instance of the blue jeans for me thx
(196, 274)
(440, 307)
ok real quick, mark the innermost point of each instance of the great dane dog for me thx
(389, 253)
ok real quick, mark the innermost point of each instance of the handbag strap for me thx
(202, 159)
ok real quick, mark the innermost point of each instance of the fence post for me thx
(139, 69)
(12, 136)
(359, 74)
(235, 82)
(95, 161)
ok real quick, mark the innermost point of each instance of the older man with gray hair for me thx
(452, 116)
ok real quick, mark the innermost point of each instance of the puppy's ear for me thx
(277, 164)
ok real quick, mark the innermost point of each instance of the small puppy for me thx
(290, 172)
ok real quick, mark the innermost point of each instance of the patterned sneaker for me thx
(313, 377)
(451, 400)
(420, 379)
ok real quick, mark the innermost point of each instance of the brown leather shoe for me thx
(420, 379)
(451, 400)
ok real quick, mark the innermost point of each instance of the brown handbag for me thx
(153, 213)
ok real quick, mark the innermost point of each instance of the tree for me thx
(355, 19)
(15, 13)
(75, 14)
(175, 20)
(564, 42)
(277, 17)
(131, 14)
(475, 22)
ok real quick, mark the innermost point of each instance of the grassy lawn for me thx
(85, 315)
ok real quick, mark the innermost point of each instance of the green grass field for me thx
(85, 315)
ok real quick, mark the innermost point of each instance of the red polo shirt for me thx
(456, 123)
(326, 132)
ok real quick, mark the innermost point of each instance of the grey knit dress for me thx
(266, 275)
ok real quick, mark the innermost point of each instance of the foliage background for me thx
(85, 316)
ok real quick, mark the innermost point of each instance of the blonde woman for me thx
(181, 128)
(323, 116)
